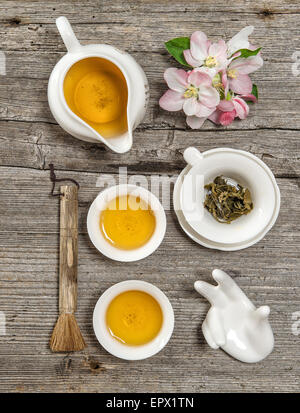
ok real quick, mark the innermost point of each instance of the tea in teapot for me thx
(95, 90)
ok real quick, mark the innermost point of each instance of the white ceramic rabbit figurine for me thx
(233, 323)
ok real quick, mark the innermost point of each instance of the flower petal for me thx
(250, 97)
(211, 72)
(215, 117)
(208, 96)
(190, 106)
(225, 81)
(204, 111)
(226, 118)
(189, 58)
(194, 122)
(218, 50)
(241, 85)
(226, 105)
(241, 107)
(240, 40)
(199, 46)
(171, 101)
(198, 78)
(248, 65)
(176, 79)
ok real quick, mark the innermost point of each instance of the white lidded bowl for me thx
(242, 167)
(115, 347)
(97, 237)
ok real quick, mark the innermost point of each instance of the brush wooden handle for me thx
(68, 257)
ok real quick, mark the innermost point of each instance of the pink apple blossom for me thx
(228, 110)
(238, 71)
(204, 53)
(219, 85)
(191, 91)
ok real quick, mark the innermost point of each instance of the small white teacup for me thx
(97, 237)
(124, 351)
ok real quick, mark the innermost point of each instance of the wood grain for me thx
(29, 218)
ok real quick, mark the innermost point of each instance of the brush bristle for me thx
(66, 335)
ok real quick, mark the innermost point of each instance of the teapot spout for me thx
(122, 143)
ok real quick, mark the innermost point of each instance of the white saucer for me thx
(204, 241)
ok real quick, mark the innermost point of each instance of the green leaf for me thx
(254, 91)
(247, 53)
(176, 47)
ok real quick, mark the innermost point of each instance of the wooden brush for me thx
(66, 335)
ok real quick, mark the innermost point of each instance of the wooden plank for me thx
(119, 10)
(35, 145)
(278, 101)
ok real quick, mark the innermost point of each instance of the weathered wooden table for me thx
(31, 139)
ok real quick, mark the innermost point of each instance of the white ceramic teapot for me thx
(137, 85)
(233, 323)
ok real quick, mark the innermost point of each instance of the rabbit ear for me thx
(229, 287)
(207, 290)
(223, 279)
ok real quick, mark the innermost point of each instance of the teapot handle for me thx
(67, 34)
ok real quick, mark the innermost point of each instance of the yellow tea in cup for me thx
(134, 317)
(95, 90)
(127, 222)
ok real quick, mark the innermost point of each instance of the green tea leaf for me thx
(176, 47)
(247, 53)
(227, 201)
